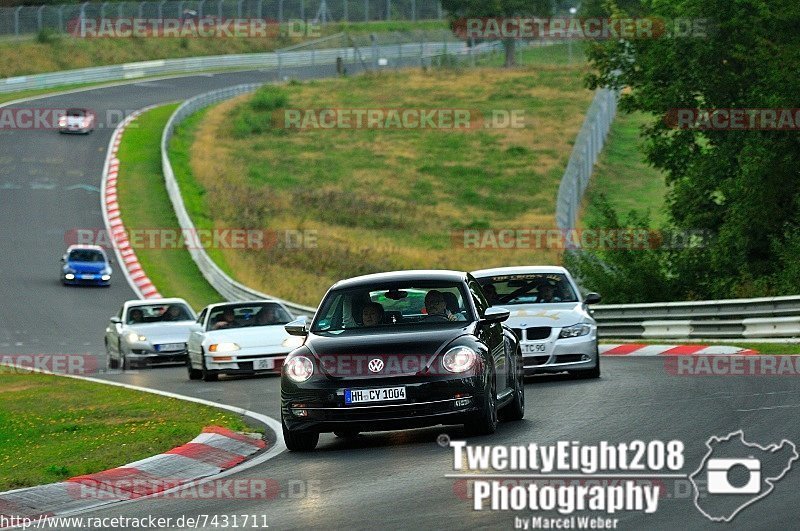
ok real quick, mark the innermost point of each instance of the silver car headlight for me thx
(580, 329)
(133, 337)
(293, 342)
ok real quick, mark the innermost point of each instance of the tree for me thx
(472, 9)
(744, 186)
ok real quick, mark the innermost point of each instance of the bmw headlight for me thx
(133, 337)
(223, 347)
(292, 342)
(580, 329)
(459, 359)
(299, 369)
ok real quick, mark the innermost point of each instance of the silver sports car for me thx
(556, 331)
(148, 332)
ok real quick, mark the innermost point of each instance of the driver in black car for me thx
(437, 310)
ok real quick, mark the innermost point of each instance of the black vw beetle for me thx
(401, 350)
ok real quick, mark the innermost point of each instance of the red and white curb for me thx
(126, 256)
(637, 349)
(212, 452)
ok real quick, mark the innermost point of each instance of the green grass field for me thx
(623, 176)
(144, 204)
(390, 198)
(53, 428)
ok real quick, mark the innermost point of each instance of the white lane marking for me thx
(765, 408)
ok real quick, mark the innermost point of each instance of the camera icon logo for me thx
(718, 476)
(736, 473)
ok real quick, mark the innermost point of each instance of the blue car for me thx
(85, 265)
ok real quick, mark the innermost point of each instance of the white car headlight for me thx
(223, 347)
(580, 329)
(299, 369)
(292, 342)
(105, 277)
(133, 337)
(459, 359)
(69, 276)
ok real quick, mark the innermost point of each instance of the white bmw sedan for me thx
(556, 331)
(239, 338)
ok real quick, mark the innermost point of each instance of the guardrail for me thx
(22, 20)
(271, 60)
(732, 318)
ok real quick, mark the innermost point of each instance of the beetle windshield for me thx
(412, 304)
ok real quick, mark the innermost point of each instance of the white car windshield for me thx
(529, 288)
(245, 315)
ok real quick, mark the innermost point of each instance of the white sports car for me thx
(240, 338)
(556, 331)
(149, 331)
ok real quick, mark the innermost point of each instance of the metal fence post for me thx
(219, 8)
(439, 10)
(280, 11)
(119, 9)
(388, 10)
(259, 9)
(16, 20)
(366, 10)
(303, 10)
(39, 18)
(345, 16)
(414, 10)
(239, 9)
(61, 26)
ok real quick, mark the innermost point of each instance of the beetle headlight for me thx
(459, 359)
(580, 329)
(299, 369)
(133, 337)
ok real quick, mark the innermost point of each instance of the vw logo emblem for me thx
(375, 365)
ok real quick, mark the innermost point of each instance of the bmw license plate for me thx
(534, 348)
(170, 347)
(385, 394)
(263, 365)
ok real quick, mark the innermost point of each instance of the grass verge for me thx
(382, 199)
(144, 204)
(622, 175)
(94, 427)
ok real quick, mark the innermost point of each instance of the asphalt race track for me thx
(385, 480)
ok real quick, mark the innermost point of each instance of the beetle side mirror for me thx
(592, 298)
(298, 327)
(495, 314)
